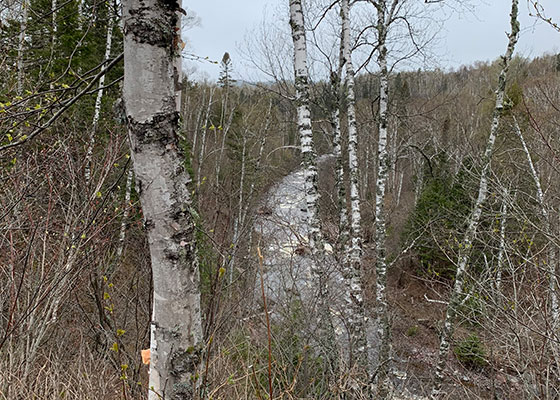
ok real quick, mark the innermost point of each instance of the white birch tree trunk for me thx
(54, 24)
(552, 261)
(238, 220)
(203, 140)
(99, 98)
(343, 233)
(336, 87)
(472, 225)
(126, 210)
(325, 327)
(381, 329)
(502, 248)
(21, 46)
(304, 123)
(353, 265)
(162, 183)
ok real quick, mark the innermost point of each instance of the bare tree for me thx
(474, 219)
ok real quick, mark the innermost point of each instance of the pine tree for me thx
(226, 81)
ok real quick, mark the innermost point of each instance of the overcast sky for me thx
(465, 38)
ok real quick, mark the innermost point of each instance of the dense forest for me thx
(361, 233)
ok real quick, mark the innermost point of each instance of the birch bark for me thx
(340, 184)
(21, 45)
(502, 248)
(353, 265)
(472, 225)
(554, 311)
(203, 141)
(325, 328)
(381, 329)
(149, 94)
(126, 210)
(304, 123)
(98, 99)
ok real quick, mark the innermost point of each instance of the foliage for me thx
(471, 352)
(438, 218)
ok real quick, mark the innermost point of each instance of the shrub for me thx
(470, 352)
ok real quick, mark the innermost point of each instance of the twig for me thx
(267, 324)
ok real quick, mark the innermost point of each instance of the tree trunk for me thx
(502, 248)
(97, 107)
(554, 311)
(309, 158)
(353, 264)
(162, 183)
(381, 329)
(122, 232)
(203, 141)
(324, 322)
(470, 234)
(21, 47)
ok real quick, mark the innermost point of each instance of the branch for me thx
(66, 105)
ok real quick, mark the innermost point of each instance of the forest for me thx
(341, 229)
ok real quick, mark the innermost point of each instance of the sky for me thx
(464, 39)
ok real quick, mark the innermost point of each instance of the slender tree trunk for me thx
(399, 187)
(126, 210)
(502, 248)
(21, 46)
(336, 87)
(162, 183)
(197, 125)
(226, 126)
(309, 158)
(244, 205)
(238, 220)
(552, 261)
(382, 329)
(257, 168)
(470, 234)
(203, 140)
(353, 265)
(343, 233)
(54, 24)
(98, 99)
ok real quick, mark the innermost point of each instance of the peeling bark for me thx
(162, 183)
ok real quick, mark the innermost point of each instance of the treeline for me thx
(74, 259)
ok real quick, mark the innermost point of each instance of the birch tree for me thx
(309, 166)
(304, 122)
(99, 98)
(473, 220)
(545, 217)
(381, 329)
(353, 264)
(21, 46)
(150, 44)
